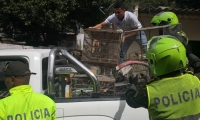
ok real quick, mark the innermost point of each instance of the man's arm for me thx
(134, 25)
(136, 99)
(129, 35)
(137, 96)
(100, 25)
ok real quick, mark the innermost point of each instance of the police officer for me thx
(24, 103)
(170, 18)
(174, 93)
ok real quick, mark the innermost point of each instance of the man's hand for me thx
(123, 39)
(133, 79)
(95, 27)
(138, 80)
(129, 35)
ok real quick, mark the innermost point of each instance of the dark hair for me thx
(119, 5)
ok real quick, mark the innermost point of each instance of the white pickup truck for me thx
(46, 63)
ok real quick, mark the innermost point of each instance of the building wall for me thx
(191, 27)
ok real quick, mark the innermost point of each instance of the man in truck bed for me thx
(23, 102)
(126, 21)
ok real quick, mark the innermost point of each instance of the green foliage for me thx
(35, 14)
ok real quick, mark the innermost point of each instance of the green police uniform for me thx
(175, 95)
(24, 104)
(171, 95)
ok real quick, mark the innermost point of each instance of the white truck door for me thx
(100, 110)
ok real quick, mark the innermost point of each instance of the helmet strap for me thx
(188, 71)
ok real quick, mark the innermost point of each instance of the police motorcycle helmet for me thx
(164, 18)
(165, 54)
(169, 18)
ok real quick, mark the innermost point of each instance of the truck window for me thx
(3, 88)
(44, 72)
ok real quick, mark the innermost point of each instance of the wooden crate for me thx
(101, 46)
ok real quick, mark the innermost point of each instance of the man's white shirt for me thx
(129, 22)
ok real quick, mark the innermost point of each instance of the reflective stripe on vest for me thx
(175, 98)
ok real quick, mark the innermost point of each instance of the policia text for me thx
(35, 114)
(174, 99)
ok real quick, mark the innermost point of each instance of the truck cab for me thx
(86, 99)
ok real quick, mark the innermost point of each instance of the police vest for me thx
(175, 98)
(24, 104)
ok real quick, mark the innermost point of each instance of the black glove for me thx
(139, 80)
(133, 79)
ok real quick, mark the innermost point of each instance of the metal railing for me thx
(68, 56)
